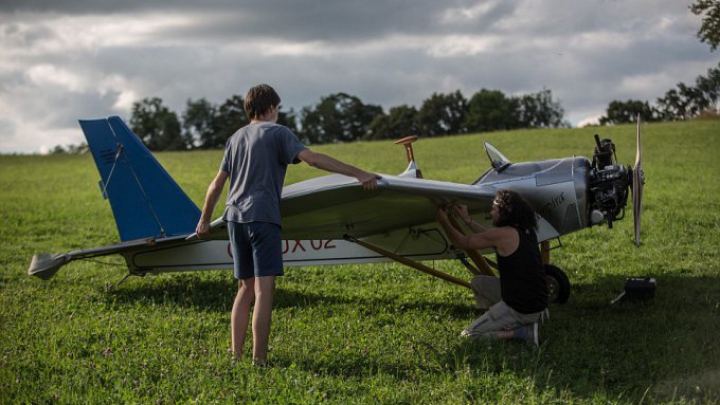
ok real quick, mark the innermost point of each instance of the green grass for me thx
(378, 333)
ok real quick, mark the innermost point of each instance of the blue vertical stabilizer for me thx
(145, 200)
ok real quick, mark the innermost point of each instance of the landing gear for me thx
(557, 280)
(558, 284)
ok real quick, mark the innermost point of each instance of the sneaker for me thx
(532, 335)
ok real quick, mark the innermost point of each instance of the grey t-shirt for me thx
(256, 157)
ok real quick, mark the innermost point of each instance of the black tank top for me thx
(522, 276)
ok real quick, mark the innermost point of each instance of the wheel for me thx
(558, 284)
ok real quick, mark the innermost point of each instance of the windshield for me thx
(497, 160)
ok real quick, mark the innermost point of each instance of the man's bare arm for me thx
(462, 212)
(330, 164)
(493, 237)
(211, 198)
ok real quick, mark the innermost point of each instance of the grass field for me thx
(368, 333)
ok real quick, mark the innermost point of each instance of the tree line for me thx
(341, 117)
(681, 103)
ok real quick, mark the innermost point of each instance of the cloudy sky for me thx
(62, 60)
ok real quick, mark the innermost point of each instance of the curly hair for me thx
(514, 210)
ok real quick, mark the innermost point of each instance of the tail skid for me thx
(146, 202)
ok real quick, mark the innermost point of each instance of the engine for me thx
(609, 184)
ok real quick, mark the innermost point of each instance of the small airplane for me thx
(332, 220)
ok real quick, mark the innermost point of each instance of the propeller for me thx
(638, 181)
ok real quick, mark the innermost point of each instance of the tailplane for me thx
(146, 202)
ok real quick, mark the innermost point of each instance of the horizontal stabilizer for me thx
(45, 265)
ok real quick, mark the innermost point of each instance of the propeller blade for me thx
(638, 181)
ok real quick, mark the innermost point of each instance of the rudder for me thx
(146, 202)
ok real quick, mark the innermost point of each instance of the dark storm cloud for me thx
(298, 20)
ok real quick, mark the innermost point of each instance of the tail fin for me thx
(146, 202)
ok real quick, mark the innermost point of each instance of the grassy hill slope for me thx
(369, 333)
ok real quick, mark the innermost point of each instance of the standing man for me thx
(255, 160)
(517, 300)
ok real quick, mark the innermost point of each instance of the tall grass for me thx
(368, 333)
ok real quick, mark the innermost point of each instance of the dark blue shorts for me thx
(256, 248)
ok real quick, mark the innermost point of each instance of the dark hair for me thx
(259, 100)
(514, 210)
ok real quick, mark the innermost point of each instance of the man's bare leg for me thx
(240, 317)
(262, 317)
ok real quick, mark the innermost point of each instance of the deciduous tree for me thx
(539, 110)
(443, 114)
(158, 127)
(338, 117)
(623, 112)
(490, 110)
(199, 120)
(399, 122)
(709, 31)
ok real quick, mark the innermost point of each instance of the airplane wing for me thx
(335, 205)
(330, 207)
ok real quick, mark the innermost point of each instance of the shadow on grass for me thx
(217, 294)
(656, 350)
(207, 294)
(662, 349)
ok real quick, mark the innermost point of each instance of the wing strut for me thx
(482, 265)
(409, 262)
